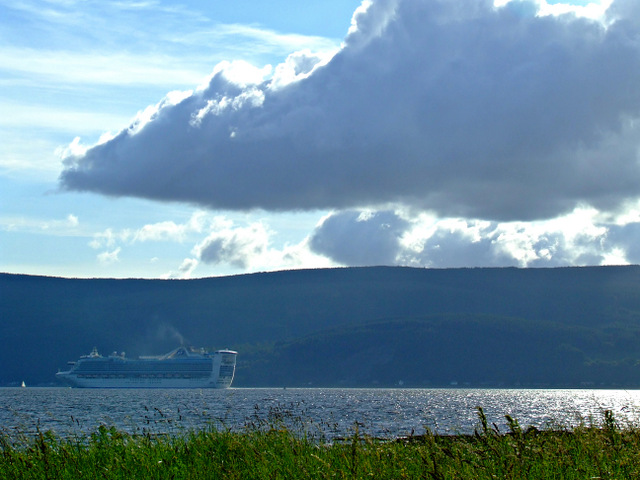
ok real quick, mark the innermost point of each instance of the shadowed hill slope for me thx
(585, 321)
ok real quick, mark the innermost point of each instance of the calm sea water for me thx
(330, 413)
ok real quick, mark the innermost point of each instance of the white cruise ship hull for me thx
(80, 382)
(181, 368)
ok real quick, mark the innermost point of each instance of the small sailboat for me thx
(23, 384)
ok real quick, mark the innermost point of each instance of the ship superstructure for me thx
(183, 367)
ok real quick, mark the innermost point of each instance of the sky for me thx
(154, 139)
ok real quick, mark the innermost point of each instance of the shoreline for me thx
(271, 450)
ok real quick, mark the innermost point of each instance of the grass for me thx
(274, 451)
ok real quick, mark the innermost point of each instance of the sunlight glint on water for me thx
(379, 412)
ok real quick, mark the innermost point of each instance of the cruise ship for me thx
(184, 367)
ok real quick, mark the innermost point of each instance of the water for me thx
(323, 413)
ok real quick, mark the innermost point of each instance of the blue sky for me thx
(176, 140)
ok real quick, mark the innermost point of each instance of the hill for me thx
(349, 327)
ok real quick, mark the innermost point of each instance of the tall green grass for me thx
(272, 450)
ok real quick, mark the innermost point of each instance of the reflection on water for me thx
(330, 412)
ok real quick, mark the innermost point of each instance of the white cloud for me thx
(400, 238)
(297, 66)
(101, 68)
(185, 269)
(213, 241)
(594, 10)
(166, 231)
(72, 220)
(67, 120)
(250, 249)
(455, 107)
(300, 255)
(241, 247)
(163, 231)
(108, 238)
(69, 226)
(109, 257)
(243, 40)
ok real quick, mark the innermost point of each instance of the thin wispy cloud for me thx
(81, 68)
(239, 40)
(165, 231)
(102, 68)
(69, 226)
(49, 118)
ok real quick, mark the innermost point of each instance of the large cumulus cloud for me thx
(455, 106)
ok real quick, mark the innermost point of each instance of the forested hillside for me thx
(375, 326)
